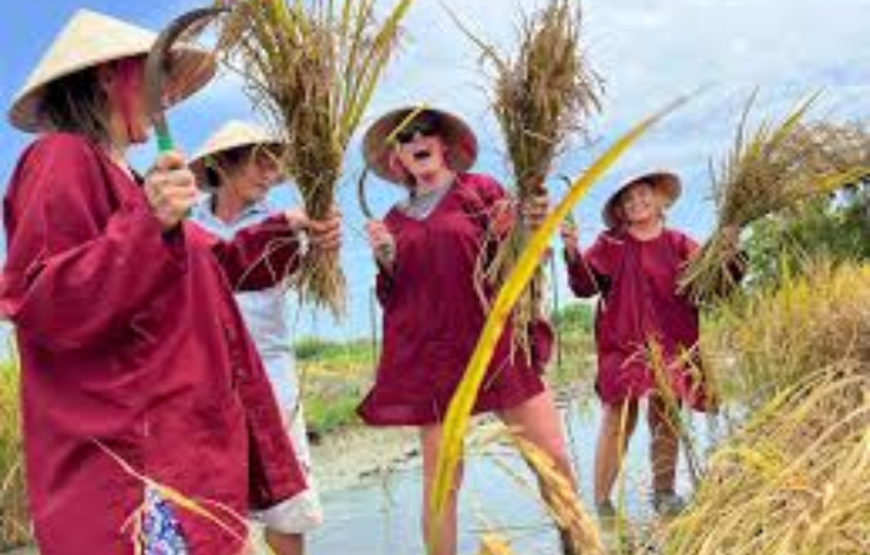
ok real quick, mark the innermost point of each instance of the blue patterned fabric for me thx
(160, 528)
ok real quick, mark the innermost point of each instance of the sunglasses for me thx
(425, 127)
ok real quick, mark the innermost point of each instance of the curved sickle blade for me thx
(156, 65)
(569, 182)
(361, 194)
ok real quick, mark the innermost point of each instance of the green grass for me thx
(334, 353)
(334, 376)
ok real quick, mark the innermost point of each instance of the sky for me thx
(647, 51)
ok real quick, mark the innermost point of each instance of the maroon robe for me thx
(433, 315)
(639, 302)
(130, 340)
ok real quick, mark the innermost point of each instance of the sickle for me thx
(569, 182)
(156, 64)
(361, 195)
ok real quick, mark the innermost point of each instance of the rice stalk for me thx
(795, 481)
(494, 544)
(540, 97)
(577, 529)
(769, 168)
(458, 414)
(312, 67)
(779, 337)
(662, 371)
(14, 521)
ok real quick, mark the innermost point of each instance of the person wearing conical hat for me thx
(140, 384)
(427, 249)
(634, 267)
(238, 165)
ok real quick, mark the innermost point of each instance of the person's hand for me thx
(382, 242)
(170, 188)
(324, 235)
(570, 238)
(534, 210)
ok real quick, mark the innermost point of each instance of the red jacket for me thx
(130, 340)
(433, 314)
(639, 302)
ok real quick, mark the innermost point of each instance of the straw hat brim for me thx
(189, 68)
(231, 136)
(667, 184)
(460, 140)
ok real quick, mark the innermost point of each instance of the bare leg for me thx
(617, 425)
(664, 450)
(285, 544)
(430, 440)
(538, 421)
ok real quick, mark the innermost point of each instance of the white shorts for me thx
(301, 513)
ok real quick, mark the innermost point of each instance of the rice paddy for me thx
(14, 524)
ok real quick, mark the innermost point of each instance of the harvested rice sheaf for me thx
(771, 167)
(541, 96)
(312, 68)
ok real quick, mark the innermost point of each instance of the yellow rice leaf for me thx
(458, 414)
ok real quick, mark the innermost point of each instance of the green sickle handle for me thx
(164, 142)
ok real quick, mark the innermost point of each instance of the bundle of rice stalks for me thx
(14, 521)
(313, 66)
(780, 337)
(795, 481)
(540, 97)
(577, 529)
(768, 169)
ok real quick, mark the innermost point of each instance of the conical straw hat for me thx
(457, 135)
(666, 183)
(90, 39)
(233, 134)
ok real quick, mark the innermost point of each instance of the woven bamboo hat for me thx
(666, 183)
(232, 135)
(378, 143)
(90, 39)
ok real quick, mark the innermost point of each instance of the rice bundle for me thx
(312, 67)
(768, 169)
(540, 98)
